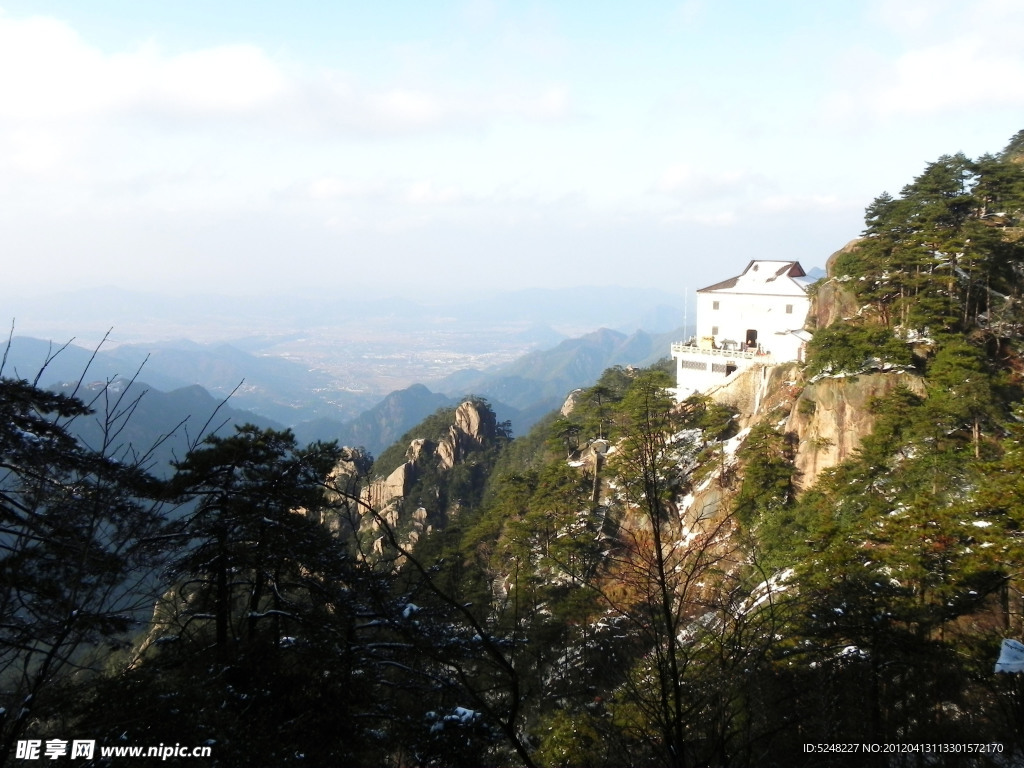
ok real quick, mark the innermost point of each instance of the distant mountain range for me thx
(538, 382)
(279, 392)
(279, 389)
(378, 427)
(522, 392)
(141, 423)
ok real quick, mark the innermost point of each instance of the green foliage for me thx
(942, 253)
(278, 646)
(249, 564)
(767, 488)
(1014, 150)
(529, 451)
(592, 416)
(962, 393)
(715, 421)
(892, 550)
(450, 495)
(575, 611)
(647, 461)
(850, 349)
(432, 428)
(903, 552)
(80, 534)
(571, 739)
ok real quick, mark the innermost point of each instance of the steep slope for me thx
(827, 418)
(384, 423)
(537, 382)
(147, 422)
(279, 389)
(425, 479)
(809, 556)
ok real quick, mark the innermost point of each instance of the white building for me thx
(756, 317)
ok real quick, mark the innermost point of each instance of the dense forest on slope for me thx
(635, 582)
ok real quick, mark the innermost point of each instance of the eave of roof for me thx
(730, 283)
(791, 269)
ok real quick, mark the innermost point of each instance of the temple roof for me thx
(763, 276)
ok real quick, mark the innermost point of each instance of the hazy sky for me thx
(434, 147)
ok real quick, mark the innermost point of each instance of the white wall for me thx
(699, 371)
(766, 314)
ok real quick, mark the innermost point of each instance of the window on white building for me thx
(714, 305)
(789, 309)
(714, 330)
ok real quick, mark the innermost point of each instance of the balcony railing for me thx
(685, 349)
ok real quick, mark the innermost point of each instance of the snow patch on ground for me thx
(768, 588)
(733, 444)
(875, 365)
(458, 716)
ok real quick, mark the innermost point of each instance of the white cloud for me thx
(429, 193)
(912, 17)
(708, 219)
(333, 188)
(48, 73)
(411, 109)
(423, 192)
(550, 103)
(920, 22)
(682, 180)
(956, 56)
(225, 79)
(787, 207)
(33, 152)
(337, 103)
(956, 75)
(805, 204)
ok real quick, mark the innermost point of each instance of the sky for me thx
(449, 149)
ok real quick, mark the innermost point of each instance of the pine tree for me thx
(255, 560)
(81, 535)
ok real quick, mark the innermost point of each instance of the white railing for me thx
(680, 348)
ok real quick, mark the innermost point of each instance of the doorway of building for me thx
(751, 337)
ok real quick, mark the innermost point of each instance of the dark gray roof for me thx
(787, 268)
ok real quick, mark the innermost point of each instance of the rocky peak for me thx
(571, 401)
(418, 448)
(833, 300)
(407, 497)
(475, 427)
(477, 422)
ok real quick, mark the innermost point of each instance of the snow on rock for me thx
(458, 716)
(767, 589)
(733, 444)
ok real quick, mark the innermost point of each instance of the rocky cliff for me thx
(832, 300)
(831, 416)
(826, 418)
(447, 460)
(425, 491)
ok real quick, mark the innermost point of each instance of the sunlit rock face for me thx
(473, 428)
